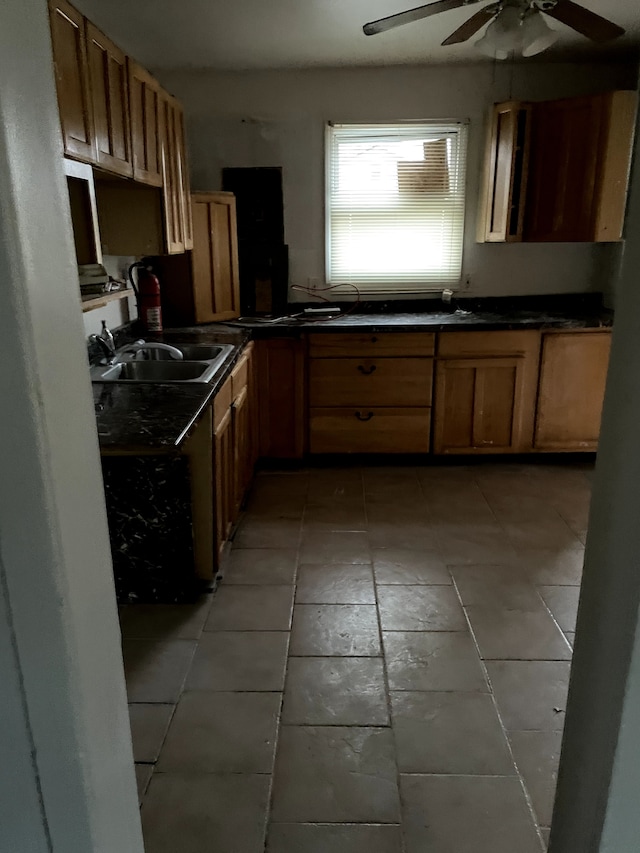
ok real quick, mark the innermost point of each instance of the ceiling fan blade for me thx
(411, 15)
(471, 27)
(584, 21)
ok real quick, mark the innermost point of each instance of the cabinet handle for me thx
(362, 417)
(366, 371)
(374, 340)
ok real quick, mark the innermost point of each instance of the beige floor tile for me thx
(570, 635)
(335, 691)
(517, 634)
(335, 584)
(155, 670)
(165, 621)
(537, 755)
(321, 517)
(335, 775)
(506, 587)
(222, 733)
(540, 534)
(334, 838)
(420, 608)
(562, 601)
(473, 544)
(451, 733)
(335, 630)
(144, 773)
(435, 660)
(409, 536)
(531, 695)
(193, 813)
(466, 814)
(561, 567)
(400, 566)
(260, 566)
(545, 832)
(251, 608)
(261, 532)
(334, 547)
(240, 660)
(149, 724)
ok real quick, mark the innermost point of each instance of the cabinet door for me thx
(223, 472)
(241, 448)
(479, 405)
(72, 80)
(565, 147)
(506, 170)
(573, 376)
(171, 189)
(281, 392)
(110, 99)
(145, 111)
(215, 258)
(183, 180)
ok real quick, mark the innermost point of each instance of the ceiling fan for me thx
(515, 24)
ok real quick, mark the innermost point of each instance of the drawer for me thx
(370, 381)
(331, 344)
(480, 344)
(222, 403)
(369, 430)
(239, 376)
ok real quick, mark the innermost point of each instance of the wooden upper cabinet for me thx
(573, 376)
(110, 100)
(501, 214)
(216, 283)
(72, 80)
(175, 177)
(145, 111)
(580, 160)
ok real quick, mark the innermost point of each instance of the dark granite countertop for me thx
(572, 311)
(158, 417)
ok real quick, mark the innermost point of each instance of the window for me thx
(395, 206)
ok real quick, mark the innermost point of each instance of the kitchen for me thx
(573, 268)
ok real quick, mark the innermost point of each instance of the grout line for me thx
(485, 671)
(385, 675)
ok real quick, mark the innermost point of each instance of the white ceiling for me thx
(248, 34)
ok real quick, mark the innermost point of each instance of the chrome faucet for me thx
(141, 349)
(106, 343)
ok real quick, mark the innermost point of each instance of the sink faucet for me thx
(138, 349)
(105, 342)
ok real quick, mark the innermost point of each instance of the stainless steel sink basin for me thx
(156, 371)
(201, 363)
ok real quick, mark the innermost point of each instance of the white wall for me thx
(277, 118)
(67, 782)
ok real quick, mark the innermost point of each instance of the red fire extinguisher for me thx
(148, 296)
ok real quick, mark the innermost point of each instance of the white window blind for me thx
(395, 206)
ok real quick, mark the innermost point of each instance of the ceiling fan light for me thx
(536, 35)
(503, 36)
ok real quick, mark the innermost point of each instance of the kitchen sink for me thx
(140, 364)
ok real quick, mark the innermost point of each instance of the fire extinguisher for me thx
(147, 294)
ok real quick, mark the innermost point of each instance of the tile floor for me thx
(382, 670)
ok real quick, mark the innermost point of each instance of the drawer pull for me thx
(374, 340)
(366, 371)
(362, 417)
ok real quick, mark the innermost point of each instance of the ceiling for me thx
(252, 34)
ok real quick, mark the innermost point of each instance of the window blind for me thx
(395, 205)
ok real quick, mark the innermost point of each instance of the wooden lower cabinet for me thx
(224, 479)
(369, 430)
(573, 374)
(385, 382)
(281, 392)
(486, 403)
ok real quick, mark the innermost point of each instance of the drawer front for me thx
(369, 430)
(481, 344)
(239, 376)
(222, 403)
(333, 344)
(370, 382)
